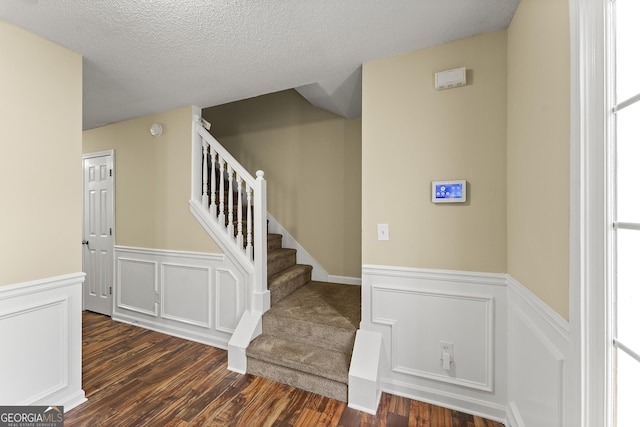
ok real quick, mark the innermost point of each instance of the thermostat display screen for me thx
(449, 191)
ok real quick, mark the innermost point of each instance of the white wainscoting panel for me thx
(197, 296)
(538, 347)
(416, 309)
(41, 330)
(466, 320)
(229, 289)
(510, 348)
(136, 285)
(185, 294)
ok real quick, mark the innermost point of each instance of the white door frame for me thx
(588, 392)
(112, 215)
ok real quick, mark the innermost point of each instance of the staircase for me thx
(308, 334)
(308, 327)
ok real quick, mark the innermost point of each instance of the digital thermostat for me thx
(449, 191)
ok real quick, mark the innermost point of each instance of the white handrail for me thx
(235, 165)
(221, 189)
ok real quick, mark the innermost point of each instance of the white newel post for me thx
(196, 161)
(262, 300)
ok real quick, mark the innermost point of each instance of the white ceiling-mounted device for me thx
(451, 78)
(156, 129)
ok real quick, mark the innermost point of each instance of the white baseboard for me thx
(453, 401)
(171, 330)
(513, 416)
(345, 280)
(41, 328)
(191, 295)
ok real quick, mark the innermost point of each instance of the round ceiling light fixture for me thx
(156, 129)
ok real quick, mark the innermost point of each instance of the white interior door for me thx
(98, 231)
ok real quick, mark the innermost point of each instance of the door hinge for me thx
(110, 231)
(110, 290)
(110, 172)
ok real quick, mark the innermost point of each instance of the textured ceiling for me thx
(147, 56)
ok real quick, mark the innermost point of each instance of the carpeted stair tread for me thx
(330, 364)
(325, 336)
(331, 304)
(287, 281)
(302, 380)
(279, 260)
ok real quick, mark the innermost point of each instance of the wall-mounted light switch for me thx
(383, 231)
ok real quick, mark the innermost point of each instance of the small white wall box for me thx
(449, 191)
(451, 78)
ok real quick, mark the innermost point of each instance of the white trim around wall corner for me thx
(538, 352)
(550, 316)
(45, 317)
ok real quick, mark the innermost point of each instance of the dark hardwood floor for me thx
(136, 377)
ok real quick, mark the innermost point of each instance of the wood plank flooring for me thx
(136, 377)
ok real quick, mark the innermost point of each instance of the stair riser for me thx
(274, 241)
(324, 336)
(282, 261)
(303, 380)
(280, 288)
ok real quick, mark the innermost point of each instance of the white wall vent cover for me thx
(451, 78)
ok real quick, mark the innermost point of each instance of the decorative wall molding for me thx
(139, 298)
(43, 318)
(538, 350)
(541, 310)
(192, 295)
(430, 274)
(415, 309)
(490, 317)
(436, 306)
(179, 279)
(228, 289)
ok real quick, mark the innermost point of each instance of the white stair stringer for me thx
(364, 372)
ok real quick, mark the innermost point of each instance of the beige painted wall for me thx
(413, 134)
(312, 165)
(538, 150)
(40, 164)
(153, 182)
